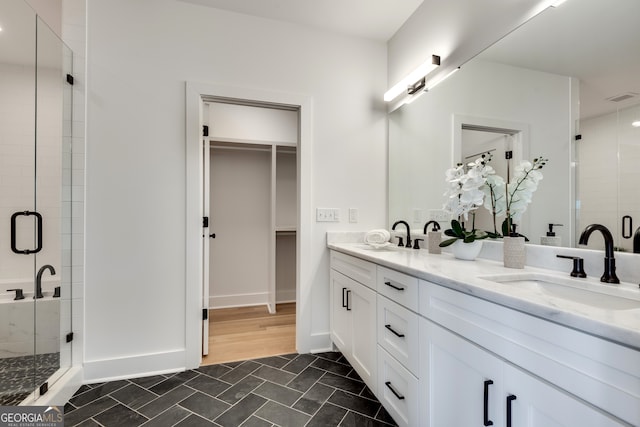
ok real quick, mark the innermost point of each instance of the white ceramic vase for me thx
(466, 251)
(513, 252)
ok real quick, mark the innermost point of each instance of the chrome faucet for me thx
(408, 233)
(609, 275)
(39, 279)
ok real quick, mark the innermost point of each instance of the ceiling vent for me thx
(622, 97)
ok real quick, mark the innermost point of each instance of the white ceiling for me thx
(377, 19)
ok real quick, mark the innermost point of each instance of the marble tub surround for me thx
(622, 326)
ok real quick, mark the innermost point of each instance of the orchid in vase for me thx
(481, 186)
(465, 195)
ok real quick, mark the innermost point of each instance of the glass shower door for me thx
(18, 223)
(53, 203)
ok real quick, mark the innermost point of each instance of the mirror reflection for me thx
(549, 81)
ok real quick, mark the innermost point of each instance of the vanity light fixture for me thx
(636, 124)
(435, 83)
(415, 76)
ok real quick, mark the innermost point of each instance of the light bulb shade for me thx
(413, 77)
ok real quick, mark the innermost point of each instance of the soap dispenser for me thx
(551, 239)
(434, 237)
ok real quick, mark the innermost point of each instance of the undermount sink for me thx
(604, 296)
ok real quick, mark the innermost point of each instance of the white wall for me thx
(140, 55)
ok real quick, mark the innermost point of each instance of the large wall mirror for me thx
(571, 71)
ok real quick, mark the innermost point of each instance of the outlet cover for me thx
(439, 215)
(353, 214)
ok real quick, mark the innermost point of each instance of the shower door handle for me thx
(38, 247)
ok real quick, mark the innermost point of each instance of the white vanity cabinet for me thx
(465, 385)
(398, 345)
(558, 376)
(353, 314)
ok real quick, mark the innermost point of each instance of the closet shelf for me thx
(282, 230)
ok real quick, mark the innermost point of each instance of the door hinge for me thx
(70, 337)
(205, 314)
(70, 79)
(578, 137)
(205, 221)
(205, 130)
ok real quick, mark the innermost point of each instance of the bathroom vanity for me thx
(445, 342)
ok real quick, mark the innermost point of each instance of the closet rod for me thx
(237, 148)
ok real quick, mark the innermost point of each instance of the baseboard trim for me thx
(240, 300)
(320, 343)
(142, 365)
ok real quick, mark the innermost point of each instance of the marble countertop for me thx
(617, 325)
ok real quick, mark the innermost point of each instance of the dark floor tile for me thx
(333, 367)
(358, 420)
(256, 422)
(204, 405)
(214, 371)
(240, 390)
(331, 355)
(81, 414)
(185, 375)
(305, 379)
(314, 397)
(88, 423)
(169, 417)
(208, 385)
(195, 421)
(68, 407)
(97, 392)
(279, 393)
(328, 415)
(342, 383)
(289, 356)
(242, 410)
(150, 381)
(355, 403)
(366, 392)
(299, 363)
(281, 415)
(81, 390)
(274, 375)
(384, 416)
(120, 415)
(166, 386)
(353, 374)
(133, 396)
(240, 371)
(166, 401)
(275, 361)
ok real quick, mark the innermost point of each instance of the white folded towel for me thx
(377, 237)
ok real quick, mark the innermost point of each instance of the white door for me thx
(340, 317)
(533, 403)
(361, 301)
(457, 378)
(206, 237)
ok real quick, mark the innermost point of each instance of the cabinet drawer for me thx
(398, 333)
(355, 268)
(398, 287)
(397, 390)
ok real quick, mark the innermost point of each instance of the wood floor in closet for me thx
(250, 333)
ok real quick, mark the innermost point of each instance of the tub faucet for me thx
(636, 241)
(609, 275)
(39, 279)
(408, 232)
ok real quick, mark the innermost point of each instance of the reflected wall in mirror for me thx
(553, 76)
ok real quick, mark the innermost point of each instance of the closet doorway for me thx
(250, 200)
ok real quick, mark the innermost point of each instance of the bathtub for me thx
(21, 319)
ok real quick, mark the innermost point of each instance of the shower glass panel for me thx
(53, 197)
(35, 204)
(17, 194)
